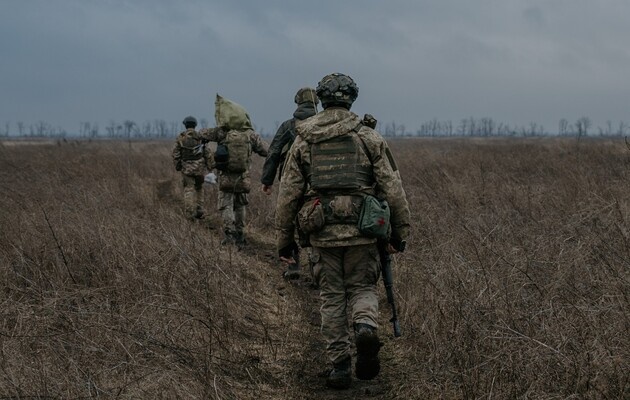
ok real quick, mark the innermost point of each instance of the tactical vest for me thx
(340, 164)
(191, 148)
(340, 169)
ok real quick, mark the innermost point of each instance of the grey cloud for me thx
(516, 61)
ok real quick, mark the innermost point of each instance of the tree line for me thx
(479, 127)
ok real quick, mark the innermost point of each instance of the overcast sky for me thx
(516, 61)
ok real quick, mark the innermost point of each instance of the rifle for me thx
(388, 281)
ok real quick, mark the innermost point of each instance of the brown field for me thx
(515, 285)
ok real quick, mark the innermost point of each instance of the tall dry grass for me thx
(515, 284)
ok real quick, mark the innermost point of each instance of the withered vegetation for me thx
(515, 283)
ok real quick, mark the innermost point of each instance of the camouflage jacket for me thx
(229, 181)
(295, 186)
(189, 153)
(284, 137)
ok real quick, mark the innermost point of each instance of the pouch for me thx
(311, 216)
(374, 218)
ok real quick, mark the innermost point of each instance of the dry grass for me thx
(515, 285)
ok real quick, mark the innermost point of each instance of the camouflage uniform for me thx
(189, 157)
(233, 187)
(346, 264)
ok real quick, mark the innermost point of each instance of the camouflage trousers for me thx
(347, 278)
(193, 194)
(232, 210)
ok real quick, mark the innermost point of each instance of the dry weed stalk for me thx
(515, 284)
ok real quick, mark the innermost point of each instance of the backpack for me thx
(230, 115)
(232, 155)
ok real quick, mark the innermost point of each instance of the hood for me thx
(328, 124)
(304, 110)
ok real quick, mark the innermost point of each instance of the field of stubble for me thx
(515, 285)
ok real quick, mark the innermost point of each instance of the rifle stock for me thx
(388, 281)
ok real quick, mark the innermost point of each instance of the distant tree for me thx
(486, 126)
(161, 128)
(462, 128)
(130, 129)
(20, 127)
(146, 129)
(621, 131)
(583, 124)
(174, 128)
(111, 129)
(562, 127)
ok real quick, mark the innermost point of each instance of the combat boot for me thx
(341, 375)
(198, 214)
(368, 365)
(293, 272)
(228, 238)
(239, 240)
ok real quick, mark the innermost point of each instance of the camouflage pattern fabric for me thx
(189, 156)
(234, 186)
(241, 182)
(193, 194)
(232, 210)
(345, 273)
(295, 186)
(345, 264)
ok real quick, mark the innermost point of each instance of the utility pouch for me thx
(374, 218)
(343, 209)
(221, 157)
(311, 216)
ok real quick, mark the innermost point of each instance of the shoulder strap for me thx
(356, 130)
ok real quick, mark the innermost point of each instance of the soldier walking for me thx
(189, 157)
(306, 100)
(334, 164)
(232, 160)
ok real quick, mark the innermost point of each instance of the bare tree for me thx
(562, 127)
(621, 131)
(583, 124)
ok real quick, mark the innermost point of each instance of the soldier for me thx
(334, 164)
(306, 100)
(234, 179)
(189, 157)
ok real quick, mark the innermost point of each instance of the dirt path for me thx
(307, 369)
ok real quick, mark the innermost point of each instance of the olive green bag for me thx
(374, 218)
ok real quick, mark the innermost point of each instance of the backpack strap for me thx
(356, 130)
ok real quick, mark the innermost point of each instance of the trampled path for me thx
(307, 366)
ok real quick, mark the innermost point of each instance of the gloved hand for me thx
(398, 244)
(288, 251)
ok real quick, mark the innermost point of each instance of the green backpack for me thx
(239, 151)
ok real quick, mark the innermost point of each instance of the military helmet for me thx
(337, 90)
(306, 95)
(190, 121)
